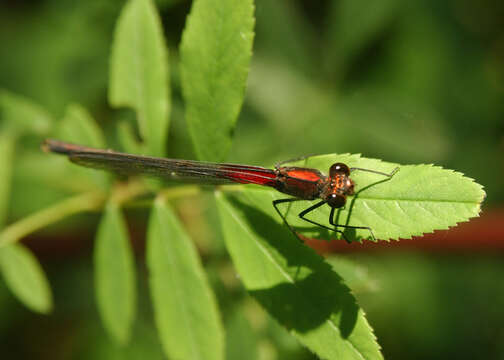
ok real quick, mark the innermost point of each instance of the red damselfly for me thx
(299, 182)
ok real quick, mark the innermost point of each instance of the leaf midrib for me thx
(258, 188)
(416, 200)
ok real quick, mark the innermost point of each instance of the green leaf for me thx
(79, 127)
(139, 72)
(291, 282)
(418, 199)
(115, 274)
(185, 309)
(241, 342)
(25, 278)
(7, 144)
(23, 115)
(126, 137)
(215, 55)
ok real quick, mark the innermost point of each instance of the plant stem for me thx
(18, 230)
(90, 201)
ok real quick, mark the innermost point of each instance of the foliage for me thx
(183, 301)
(139, 72)
(114, 274)
(307, 104)
(214, 88)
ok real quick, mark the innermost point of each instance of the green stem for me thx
(85, 202)
(18, 230)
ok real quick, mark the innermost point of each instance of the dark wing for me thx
(174, 170)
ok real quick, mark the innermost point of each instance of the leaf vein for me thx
(377, 213)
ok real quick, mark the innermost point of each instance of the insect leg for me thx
(288, 200)
(333, 223)
(280, 163)
(310, 209)
(377, 172)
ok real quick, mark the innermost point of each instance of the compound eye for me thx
(339, 169)
(336, 201)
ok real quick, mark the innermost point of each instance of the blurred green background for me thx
(409, 82)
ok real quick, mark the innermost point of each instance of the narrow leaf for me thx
(242, 342)
(23, 115)
(293, 283)
(126, 137)
(139, 72)
(25, 278)
(185, 309)
(115, 274)
(7, 145)
(418, 199)
(215, 55)
(80, 128)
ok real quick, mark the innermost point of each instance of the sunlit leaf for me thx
(293, 283)
(215, 54)
(185, 310)
(25, 278)
(139, 72)
(115, 274)
(418, 199)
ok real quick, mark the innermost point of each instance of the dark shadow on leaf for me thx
(306, 304)
(309, 296)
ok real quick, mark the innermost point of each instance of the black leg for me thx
(310, 209)
(377, 172)
(280, 201)
(280, 163)
(333, 223)
(302, 216)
